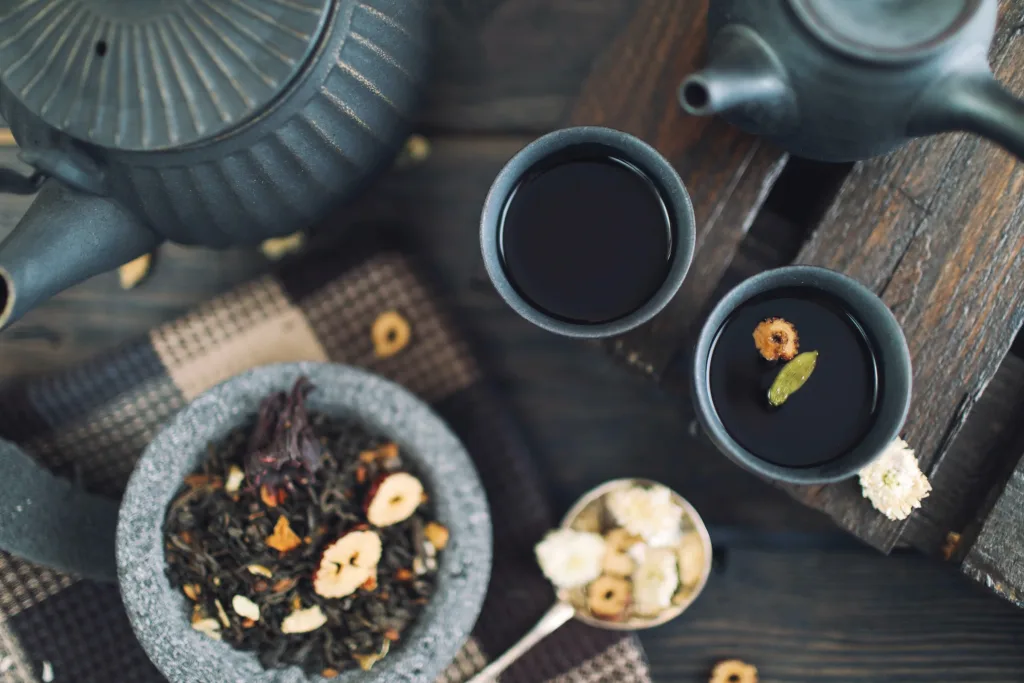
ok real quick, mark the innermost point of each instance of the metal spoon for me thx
(562, 611)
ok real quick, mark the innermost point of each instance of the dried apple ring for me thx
(390, 334)
(733, 671)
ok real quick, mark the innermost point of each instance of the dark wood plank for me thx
(633, 88)
(937, 230)
(841, 616)
(980, 456)
(515, 65)
(996, 557)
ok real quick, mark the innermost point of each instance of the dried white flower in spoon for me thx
(894, 482)
(570, 558)
(647, 512)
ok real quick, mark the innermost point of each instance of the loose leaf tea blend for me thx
(305, 539)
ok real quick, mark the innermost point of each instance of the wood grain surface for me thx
(841, 617)
(728, 174)
(937, 230)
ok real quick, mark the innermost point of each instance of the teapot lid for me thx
(885, 30)
(153, 74)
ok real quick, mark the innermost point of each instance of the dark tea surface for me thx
(826, 417)
(586, 237)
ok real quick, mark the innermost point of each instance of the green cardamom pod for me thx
(791, 377)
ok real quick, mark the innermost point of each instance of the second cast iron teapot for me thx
(845, 80)
(205, 123)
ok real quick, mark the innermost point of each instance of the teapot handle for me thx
(975, 103)
(46, 520)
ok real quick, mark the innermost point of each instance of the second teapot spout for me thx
(745, 82)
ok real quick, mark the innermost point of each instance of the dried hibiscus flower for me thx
(283, 449)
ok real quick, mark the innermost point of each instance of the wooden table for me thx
(790, 593)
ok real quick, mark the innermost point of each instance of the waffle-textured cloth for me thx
(92, 423)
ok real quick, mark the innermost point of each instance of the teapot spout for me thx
(744, 81)
(973, 102)
(65, 237)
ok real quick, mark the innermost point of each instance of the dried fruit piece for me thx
(304, 620)
(691, 559)
(608, 597)
(403, 574)
(347, 564)
(279, 247)
(791, 377)
(388, 451)
(393, 499)
(330, 673)
(569, 558)
(621, 540)
(192, 590)
(209, 627)
(733, 671)
(260, 570)
(135, 271)
(616, 563)
(283, 539)
(655, 582)
(366, 662)
(284, 585)
(244, 607)
(222, 614)
(776, 339)
(390, 334)
(268, 497)
(234, 480)
(437, 534)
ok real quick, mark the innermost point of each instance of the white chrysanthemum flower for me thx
(655, 581)
(570, 558)
(894, 482)
(647, 512)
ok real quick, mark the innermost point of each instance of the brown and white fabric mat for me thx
(91, 423)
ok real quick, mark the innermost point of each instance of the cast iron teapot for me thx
(845, 80)
(204, 123)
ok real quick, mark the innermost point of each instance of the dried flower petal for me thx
(283, 539)
(304, 620)
(437, 534)
(691, 559)
(655, 581)
(192, 590)
(235, 478)
(209, 627)
(366, 662)
(388, 451)
(222, 614)
(260, 570)
(390, 334)
(894, 482)
(244, 607)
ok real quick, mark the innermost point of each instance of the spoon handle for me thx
(559, 613)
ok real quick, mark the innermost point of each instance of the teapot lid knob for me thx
(886, 30)
(155, 74)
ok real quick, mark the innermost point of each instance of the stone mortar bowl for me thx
(159, 614)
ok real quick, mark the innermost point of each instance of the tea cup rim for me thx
(635, 151)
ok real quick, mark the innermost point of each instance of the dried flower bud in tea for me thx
(792, 377)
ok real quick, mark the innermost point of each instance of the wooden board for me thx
(841, 617)
(937, 229)
(633, 88)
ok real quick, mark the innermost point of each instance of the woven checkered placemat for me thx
(92, 423)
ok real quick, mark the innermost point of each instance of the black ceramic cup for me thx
(621, 146)
(892, 362)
